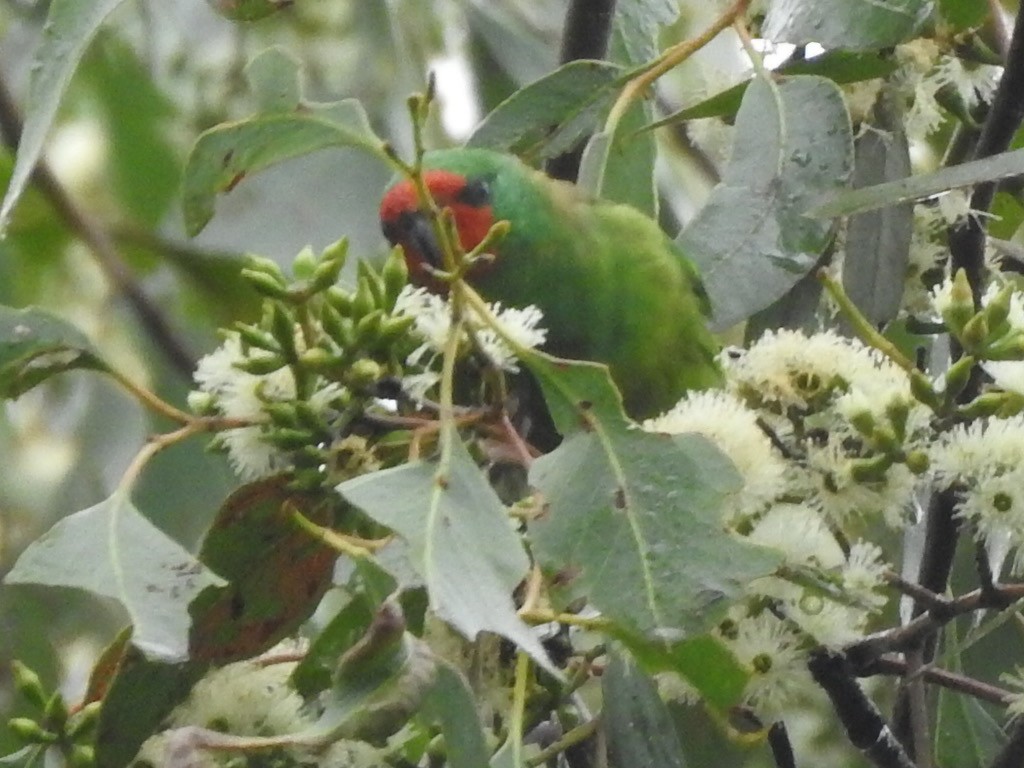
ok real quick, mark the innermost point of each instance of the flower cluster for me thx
(300, 382)
(827, 436)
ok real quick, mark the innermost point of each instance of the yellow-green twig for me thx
(669, 59)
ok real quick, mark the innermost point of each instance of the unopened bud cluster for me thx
(54, 725)
(302, 377)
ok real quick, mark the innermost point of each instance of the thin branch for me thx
(100, 245)
(954, 681)
(967, 252)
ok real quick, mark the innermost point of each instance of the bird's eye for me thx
(476, 192)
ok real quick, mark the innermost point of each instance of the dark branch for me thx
(100, 244)
(954, 681)
(588, 27)
(864, 725)
(782, 749)
(1012, 754)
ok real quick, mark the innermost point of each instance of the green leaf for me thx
(637, 723)
(274, 78)
(550, 115)
(227, 153)
(841, 67)
(35, 345)
(846, 24)
(450, 701)
(313, 673)
(380, 683)
(111, 550)
(633, 517)
(27, 757)
(751, 241)
(460, 541)
(277, 571)
(637, 26)
(963, 14)
(70, 27)
(136, 117)
(703, 662)
(965, 733)
(850, 201)
(878, 242)
(249, 10)
(141, 694)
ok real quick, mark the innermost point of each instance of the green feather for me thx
(612, 286)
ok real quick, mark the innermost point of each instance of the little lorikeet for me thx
(612, 286)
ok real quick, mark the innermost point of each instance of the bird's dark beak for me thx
(413, 231)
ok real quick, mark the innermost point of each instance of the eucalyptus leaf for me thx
(846, 24)
(226, 154)
(274, 79)
(751, 240)
(459, 538)
(878, 242)
(850, 201)
(548, 116)
(633, 518)
(450, 701)
(35, 345)
(70, 26)
(637, 723)
(111, 550)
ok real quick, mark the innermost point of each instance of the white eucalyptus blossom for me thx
(773, 655)
(986, 460)
(800, 533)
(432, 317)
(242, 395)
(731, 426)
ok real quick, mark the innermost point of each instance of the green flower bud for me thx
(305, 264)
(1009, 347)
(268, 266)
(917, 462)
(368, 327)
(364, 372)
(975, 334)
(898, 412)
(84, 722)
(922, 389)
(863, 422)
(265, 284)
(254, 336)
(288, 439)
(957, 376)
(326, 274)
(281, 414)
(363, 303)
(998, 310)
(961, 307)
(28, 684)
(82, 756)
(373, 282)
(871, 470)
(987, 404)
(395, 275)
(319, 359)
(392, 328)
(29, 731)
(283, 328)
(340, 299)
(261, 365)
(56, 712)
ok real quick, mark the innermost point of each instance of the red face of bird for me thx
(405, 224)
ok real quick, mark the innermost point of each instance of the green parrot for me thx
(612, 286)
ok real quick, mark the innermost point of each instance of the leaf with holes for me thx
(633, 518)
(113, 551)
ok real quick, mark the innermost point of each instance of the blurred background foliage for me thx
(159, 74)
